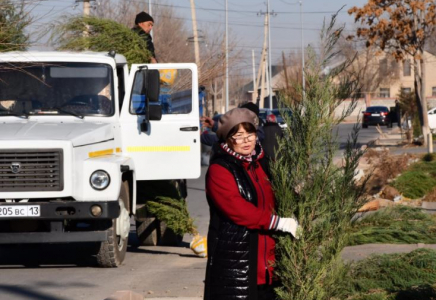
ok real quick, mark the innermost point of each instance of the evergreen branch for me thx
(95, 34)
(174, 212)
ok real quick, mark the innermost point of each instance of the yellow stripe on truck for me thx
(101, 153)
(159, 149)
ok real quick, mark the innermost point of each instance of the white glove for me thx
(289, 225)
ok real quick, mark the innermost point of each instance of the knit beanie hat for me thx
(234, 117)
(251, 106)
(143, 17)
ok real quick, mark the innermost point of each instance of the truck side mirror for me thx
(153, 85)
(155, 113)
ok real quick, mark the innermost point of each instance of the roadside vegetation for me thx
(418, 180)
(394, 225)
(410, 276)
(13, 22)
(407, 276)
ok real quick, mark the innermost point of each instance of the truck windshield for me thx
(82, 89)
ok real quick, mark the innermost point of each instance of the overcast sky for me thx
(244, 21)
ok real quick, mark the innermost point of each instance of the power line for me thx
(245, 11)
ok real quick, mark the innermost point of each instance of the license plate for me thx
(20, 211)
(375, 115)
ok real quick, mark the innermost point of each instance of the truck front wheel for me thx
(112, 251)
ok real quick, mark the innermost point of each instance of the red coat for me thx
(221, 182)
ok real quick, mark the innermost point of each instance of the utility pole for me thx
(302, 51)
(261, 72)
(269, 57)
(268, 34)
(86, 7)
(254, 95)
(196, 46)
(285, 69)
(227, 55)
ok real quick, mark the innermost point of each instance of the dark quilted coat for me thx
(232, 249)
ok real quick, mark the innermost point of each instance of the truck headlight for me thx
(100, 180)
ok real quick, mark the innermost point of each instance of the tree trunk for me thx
(421, 100)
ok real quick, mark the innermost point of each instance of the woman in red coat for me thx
(241, 199)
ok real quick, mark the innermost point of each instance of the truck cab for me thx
(78, 131)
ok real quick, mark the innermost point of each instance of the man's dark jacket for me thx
(147, 38)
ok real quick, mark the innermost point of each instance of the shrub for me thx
(418, 180)
(409, 276)
(428, 157)
(394, 225)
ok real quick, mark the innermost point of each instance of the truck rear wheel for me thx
(112, 252)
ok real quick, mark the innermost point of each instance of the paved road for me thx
(58, 272)
(67, 272)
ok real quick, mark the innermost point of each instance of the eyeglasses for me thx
(241, 139)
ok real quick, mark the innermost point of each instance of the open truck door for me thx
(160, 129)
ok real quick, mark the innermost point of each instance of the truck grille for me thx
(31, 170)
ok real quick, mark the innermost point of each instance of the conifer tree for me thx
(309, 185)
(13, 21)
(96, 34)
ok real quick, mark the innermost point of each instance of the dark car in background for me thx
(264, 112)
(376, 115)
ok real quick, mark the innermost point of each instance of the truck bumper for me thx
(66, 210)
(52, 237)
(55, 214)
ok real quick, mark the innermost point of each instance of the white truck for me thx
(78, 132)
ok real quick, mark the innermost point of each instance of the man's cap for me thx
(251, 106)
(234, 117)
(143, 17)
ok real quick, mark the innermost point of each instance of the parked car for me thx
(376, 115)
(265, 112)
(432, 118)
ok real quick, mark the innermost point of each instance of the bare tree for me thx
(401, 28)
(370, 66)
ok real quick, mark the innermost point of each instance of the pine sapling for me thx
(309, 185)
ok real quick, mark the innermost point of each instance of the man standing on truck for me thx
(143, 25)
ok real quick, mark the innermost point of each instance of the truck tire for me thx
(112, 252)
(147, 232)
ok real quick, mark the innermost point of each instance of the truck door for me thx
(170, 148)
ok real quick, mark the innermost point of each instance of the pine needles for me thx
(395, 225)
(95, 34)
(174, 212)
(418, 180)
(410, 276)
(307, 183)
(13, 22)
